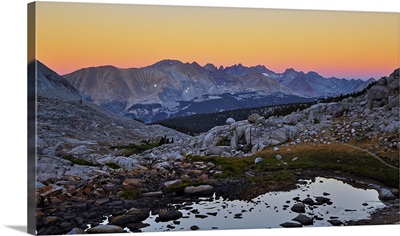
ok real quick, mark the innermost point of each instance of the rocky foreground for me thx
(86, 168)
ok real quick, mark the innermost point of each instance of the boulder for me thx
(79, 150)
(279, 135)
(253, 118)
(130, 184)
(131, 216)
(198, 190)
(386, 194)
(291, 119)
(298, 207)
(230, 121)
(169, 215)
(304, 220)
(105, 229)
(322, 199)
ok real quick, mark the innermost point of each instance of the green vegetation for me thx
(224, 141)
(323, 157)
(112, 165)
(78, 161)
(130, 149)
(129, 194)
(178, 189)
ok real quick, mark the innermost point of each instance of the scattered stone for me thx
(136, 226)
(304, 220)
(298, 207)
(294, 159)
(291, 225)
(76, 231)
(308, 201)
(322, 199)
(278, 157)
(201, 216)
(326, 194)
(335, 222)
(130, 184)
(169, 215)
(105, 229)
(258, 160)
(51, 221)
(194, 227)
(212, 213)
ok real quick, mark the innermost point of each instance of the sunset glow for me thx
(362, 45)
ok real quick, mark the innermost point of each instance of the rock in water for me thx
(298, 207)
(169, 215)
(335, 222)
(386, 194)
(304, 220)
(291, 225)
(105, 229)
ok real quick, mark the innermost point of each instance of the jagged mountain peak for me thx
(52, 85)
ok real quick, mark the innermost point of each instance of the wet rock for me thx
(304, 220)
(298, 207)
(365, 204)
(105, 229)
(212, 213)
(335, 222)
(198, 190)
(291, 225)
(169, 215)
(326, 194)
(238, 216)
(386, 194)
(201, 216)
(76, 231)
(308, 201)
(322, 199)
(194, 227)
(131, 216)
(136, 226)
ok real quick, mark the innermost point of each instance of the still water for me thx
(274, 208)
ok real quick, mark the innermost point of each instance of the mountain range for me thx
(171, 88)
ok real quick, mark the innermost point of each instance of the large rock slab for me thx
(198, 190)
(105, 229)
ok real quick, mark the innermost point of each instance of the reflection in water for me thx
(273, 208)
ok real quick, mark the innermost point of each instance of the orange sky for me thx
(71, 36)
